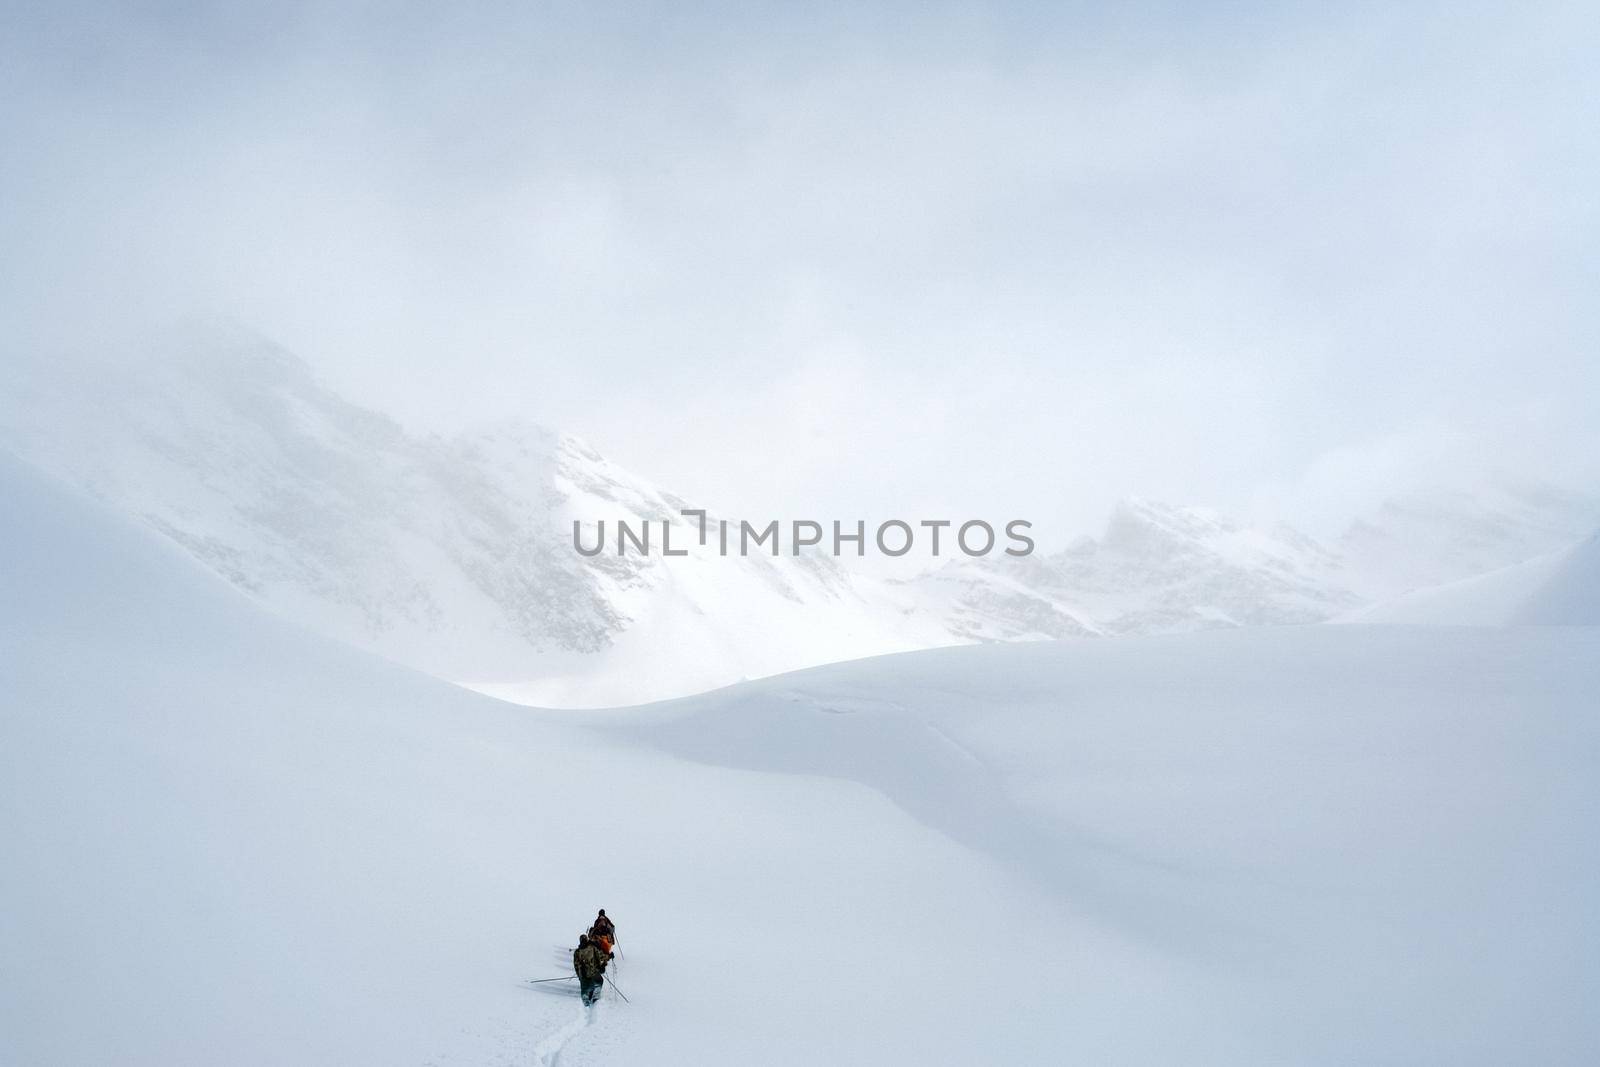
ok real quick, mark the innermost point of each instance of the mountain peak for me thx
(1138, 524)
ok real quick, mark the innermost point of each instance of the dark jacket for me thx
(588, 962)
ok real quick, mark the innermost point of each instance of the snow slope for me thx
(1447, 534)
(1572, 595)
(1336, 844)
(1557, 588)
(228, 840)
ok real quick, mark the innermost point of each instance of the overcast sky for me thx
(806, 260)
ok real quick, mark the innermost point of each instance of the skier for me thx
(604, 931)
(589, 963)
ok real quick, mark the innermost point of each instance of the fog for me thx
(963, 260)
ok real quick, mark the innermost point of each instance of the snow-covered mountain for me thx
(453, 555)
(1163, 568)
(1158, 568)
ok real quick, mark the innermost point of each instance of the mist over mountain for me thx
(1445, 535)
(453, 554)
(1158, 568)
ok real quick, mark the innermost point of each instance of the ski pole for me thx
(564, 978)
(620, 993)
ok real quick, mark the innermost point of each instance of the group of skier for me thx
(596, 948)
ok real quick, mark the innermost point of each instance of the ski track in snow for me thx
(547, 1053)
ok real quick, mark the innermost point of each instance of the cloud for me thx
(980, 257)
